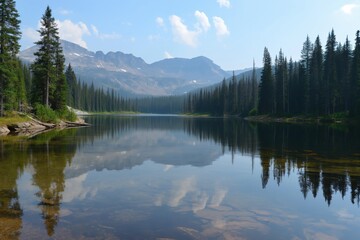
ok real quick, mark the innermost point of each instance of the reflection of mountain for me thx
(325, 159)
(312, 151)
(139, 139)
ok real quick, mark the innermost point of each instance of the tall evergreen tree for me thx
(72, 86)
(306, 53)
(44, 67)
(266, 87)
(281, 84)
(254, 88)
(355, 78)
(9, 48)
(59, 93)
(331, 95)
(344, 78)
(316, 77)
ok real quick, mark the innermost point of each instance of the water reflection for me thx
(61, 165)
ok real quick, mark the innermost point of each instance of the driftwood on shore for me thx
(34, 127)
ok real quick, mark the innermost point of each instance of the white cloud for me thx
(160, 21)
(168, 55)
(95, 30)
(224, 3)
(349, 8)
(153, 37)
(181, 32)
(203, 20)
(73, 32)
(220, 26)
(31, 34)
(104, 36)
(65, 12)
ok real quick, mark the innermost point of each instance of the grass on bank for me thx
(11, 118)
(42, 113)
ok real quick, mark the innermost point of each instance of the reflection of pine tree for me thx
(304, 182)
(327, 187)
(11, 167)
(355, 189)
(50, 158)
(265, 164)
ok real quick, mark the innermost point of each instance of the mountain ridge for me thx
(132, 76)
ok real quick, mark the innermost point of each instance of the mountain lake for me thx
(174, 177)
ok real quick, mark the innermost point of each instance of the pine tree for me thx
(306, 53)
(254, 88)
(344, 78)
(266, 92)
(281, 84)
(316, 77)
(44, 67)
(59, 94)
(20, 89)
(355, 78)
(72, 86)
(330, 94)
(9, 48)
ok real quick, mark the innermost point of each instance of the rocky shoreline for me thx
(34, 127)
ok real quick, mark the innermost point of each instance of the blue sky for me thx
(230, 32)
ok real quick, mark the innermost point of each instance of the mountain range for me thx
(132, 76)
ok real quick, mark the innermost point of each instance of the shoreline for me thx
(31, 127)
(299, 119)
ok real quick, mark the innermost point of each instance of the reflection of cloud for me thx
(75, 190)
(168, 167)
(200, 202)
(158, 201)
(324, 224)
(180, 189)
(219, 223)
(344, 214)
(218, 197)
(312, 235)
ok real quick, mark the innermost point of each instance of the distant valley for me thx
(132, 76)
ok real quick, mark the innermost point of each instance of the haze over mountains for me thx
(132, 76)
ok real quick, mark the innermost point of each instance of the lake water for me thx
(169, 177)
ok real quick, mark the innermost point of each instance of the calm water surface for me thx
(161, 177)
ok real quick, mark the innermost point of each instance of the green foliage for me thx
(66, 114)
(253, 112)
(340, 115)
(45, 114)
(321, 84)
(49, 85)
(266, 88)
(9, 47)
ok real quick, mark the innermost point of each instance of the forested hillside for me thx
(323, 83)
